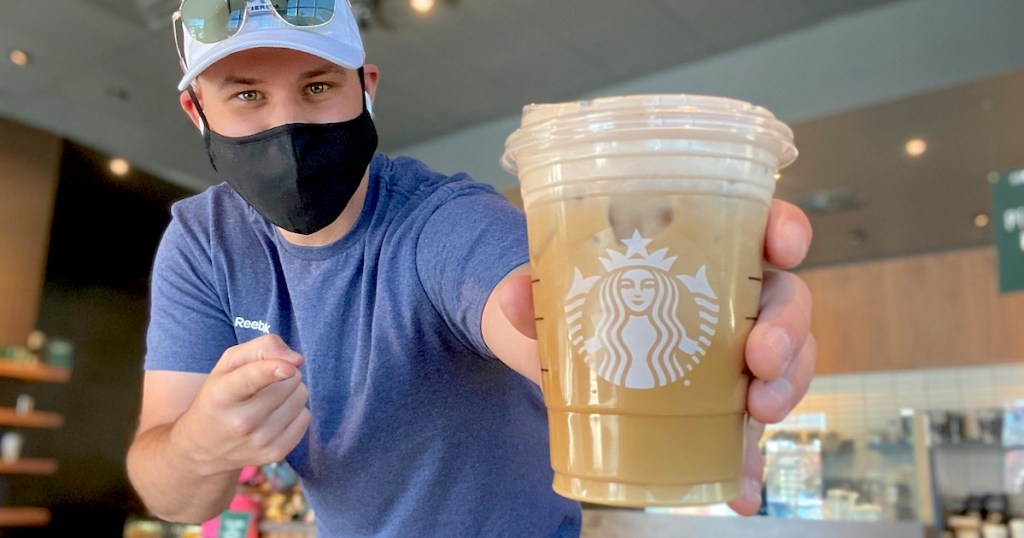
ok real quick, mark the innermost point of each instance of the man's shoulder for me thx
(216, 206)
(214, 197)
(410, 180)
(213, 215)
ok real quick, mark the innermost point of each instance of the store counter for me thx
(611, 523)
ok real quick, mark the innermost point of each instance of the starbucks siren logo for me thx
(638, 340)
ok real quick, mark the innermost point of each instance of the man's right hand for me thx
(250, 410)
(197, 431)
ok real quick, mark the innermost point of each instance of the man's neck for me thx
(337, 229)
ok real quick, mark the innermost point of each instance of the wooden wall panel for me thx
(29, 170)
(940, 309)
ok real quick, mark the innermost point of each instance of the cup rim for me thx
(664, 115)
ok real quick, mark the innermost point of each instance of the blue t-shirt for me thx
(417, 429)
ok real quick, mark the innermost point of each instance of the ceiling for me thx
(103, 74)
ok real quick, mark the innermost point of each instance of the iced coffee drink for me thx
(646, 218)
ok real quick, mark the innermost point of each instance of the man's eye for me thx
(317, 88)
(250, 95)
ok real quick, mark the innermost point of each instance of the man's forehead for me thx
(267, 62)
(276, 56)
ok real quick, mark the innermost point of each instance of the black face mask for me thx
(298, 176)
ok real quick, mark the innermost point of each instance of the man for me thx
(364, 317)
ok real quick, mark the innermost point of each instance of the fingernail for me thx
(795, 230)
(281, 374)
(778, 341)
(294, 356)
(783, 390)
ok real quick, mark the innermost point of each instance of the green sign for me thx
(235, 525)
(1008, 225)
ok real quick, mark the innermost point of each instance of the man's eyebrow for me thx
(323, 70)
(312, 73)
(234, 79)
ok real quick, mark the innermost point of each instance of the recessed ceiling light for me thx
(915, 147)
(119, 166)
(421, 6)
(18, 57)
(981, 219)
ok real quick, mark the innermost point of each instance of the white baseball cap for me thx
(338, 41)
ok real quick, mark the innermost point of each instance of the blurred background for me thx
(908, 115)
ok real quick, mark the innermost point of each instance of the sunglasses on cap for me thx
(211, 21)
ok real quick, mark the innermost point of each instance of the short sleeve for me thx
(468, 245)
(188, 328)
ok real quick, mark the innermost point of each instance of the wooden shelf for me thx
(39, 373)
(35, 419)
(36, 466)
(34, 372)
(24, 517)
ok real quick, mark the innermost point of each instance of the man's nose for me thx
(287, 111)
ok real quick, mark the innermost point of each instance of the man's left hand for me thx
(780, 349)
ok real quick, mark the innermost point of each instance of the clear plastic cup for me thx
(646, 217)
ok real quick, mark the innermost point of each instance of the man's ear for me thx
(371, 73)
(190, 107)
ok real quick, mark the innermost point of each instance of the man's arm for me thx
(197, 431)
(170, 486)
